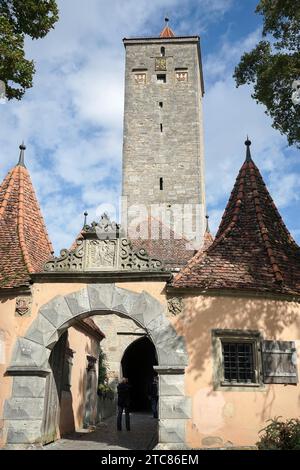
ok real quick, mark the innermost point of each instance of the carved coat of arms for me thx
(23, 305)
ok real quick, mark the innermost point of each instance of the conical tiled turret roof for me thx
(253, 250)
(24, 242)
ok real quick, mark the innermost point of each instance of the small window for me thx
(162, 52)
(161, 184)
(237, 360)
(161, 104)
(161, 127)
(161, 78)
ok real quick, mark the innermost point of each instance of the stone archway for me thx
(24, 411)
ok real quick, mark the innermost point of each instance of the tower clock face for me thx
(161, 64)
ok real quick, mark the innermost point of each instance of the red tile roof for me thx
(166, 246)
(253, 250)
(174, 252)
(24, 242)
(167, 33)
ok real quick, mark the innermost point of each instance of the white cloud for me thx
(230, 115)
(72, 118)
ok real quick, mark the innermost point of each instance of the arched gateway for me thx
(24, 411)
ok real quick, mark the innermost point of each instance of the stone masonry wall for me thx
(114, 344)
(176, 153)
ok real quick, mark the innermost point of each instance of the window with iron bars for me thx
(238, 362)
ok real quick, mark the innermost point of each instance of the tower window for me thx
(161, 184)
(161, 127)
(161, 104)
(162, 52)
(162, 78)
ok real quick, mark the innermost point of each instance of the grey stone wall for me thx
(115, 344)
(176, 153)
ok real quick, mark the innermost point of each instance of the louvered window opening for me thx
(238, 362)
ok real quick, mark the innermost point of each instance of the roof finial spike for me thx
(167, 31)
(85, 218)
(207, 230)
(248, 153)
(21, 161)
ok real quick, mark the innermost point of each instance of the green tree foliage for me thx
(104, 390)
(274, 64)
(17, 19)
(280, 435)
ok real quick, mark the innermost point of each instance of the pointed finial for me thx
(207, 230)
(21, 161)
(167, 20)
(248, 153)
(85, 218)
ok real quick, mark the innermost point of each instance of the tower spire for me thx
(167, 31)
(21, 161)
(248, 153)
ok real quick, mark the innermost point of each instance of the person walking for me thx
(154, 396)
(123, 403)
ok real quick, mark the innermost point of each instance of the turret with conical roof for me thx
(253, 249)
(24, 242)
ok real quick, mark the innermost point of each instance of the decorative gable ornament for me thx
(102, 248)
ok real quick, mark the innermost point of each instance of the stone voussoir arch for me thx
(24, 411)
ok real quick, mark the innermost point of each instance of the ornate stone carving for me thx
(102, 249)
(140, 78)
(175, 305)
(140, 259)
(68, 260)
(23, 306)
(161, 64)
(104, 229)
(101, 254)
(181, 76)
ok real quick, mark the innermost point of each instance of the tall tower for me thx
(163, 157)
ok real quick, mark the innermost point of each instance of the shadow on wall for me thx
(202, 314)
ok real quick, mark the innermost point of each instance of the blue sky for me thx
(71, 120)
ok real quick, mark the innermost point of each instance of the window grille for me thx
(238, 362)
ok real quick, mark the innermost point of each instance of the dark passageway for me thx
(137, 365)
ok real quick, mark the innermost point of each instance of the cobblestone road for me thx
(143, 435)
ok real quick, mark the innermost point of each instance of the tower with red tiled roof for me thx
(253, 250)
(167, 31)
(24, 242)
(163, 156)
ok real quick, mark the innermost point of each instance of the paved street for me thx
(142, 436)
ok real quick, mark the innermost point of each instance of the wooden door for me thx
(53, 391)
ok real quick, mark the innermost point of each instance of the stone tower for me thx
(163, 157)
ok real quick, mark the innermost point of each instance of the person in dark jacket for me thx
(154, 396)
(123, 404)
